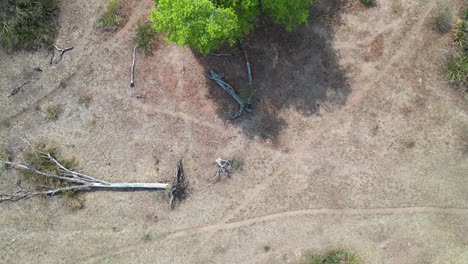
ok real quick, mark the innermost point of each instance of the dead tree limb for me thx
(132, 69)
(59, 57)
(222, 168)
(221, 54)
(179, 185)
(243, 107)
(247, 62)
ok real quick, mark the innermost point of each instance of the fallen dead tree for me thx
(71, 180)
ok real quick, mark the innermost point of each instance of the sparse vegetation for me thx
(111, 17)
(339, 256)
(266, 248)
(85, 99)
(51, 112)
(143, 36)
(368, 3)
(443, 20)
(27, 23)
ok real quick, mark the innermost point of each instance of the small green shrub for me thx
(457, 70)
(339, 256)
(443, 20)
(143, 36)
(27, 23)
(369, 3)
(111, 17)
(51, 112)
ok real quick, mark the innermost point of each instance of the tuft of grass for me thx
(73, 200)
(3, 156)
(147, 237)
(443, 20)
(85, 99)
(461, 32)
(144, 33)
(266, 248)
(338, 256)
(369, 3)
(457, 70)
(111, 17)
(51, 112)
(27, 23)
(236, 162)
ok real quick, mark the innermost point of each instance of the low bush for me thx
(143, 36)
(461, 32)
(27, 23)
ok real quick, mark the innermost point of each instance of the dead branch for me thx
(243, 106)
(221, 54)
(247, 62)
(179, 185)
(222, 169)
(132, 69)
(59, 57)
(18, 89)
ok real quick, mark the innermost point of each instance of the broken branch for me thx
(132, 69)
(59, 57)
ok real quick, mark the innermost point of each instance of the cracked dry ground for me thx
(356, 141)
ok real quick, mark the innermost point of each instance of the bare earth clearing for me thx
(356, 140)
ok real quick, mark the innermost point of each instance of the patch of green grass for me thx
(27, 23)
(111, 17)
(51, 112)
(457, 70)
(339, 256)
(369, 3)
(443, 20)
(144, 34)
(85, 99)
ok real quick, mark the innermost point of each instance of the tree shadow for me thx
(298, 70)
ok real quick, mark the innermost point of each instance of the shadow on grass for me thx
(298, 70)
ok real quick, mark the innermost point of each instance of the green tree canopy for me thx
(206, 24)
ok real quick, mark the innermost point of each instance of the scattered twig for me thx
(132, 69)
(222, 168)
(59, 57)
(243, 107)
(179, 185)
(18, 89)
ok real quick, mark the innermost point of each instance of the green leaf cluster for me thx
(206, 24)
